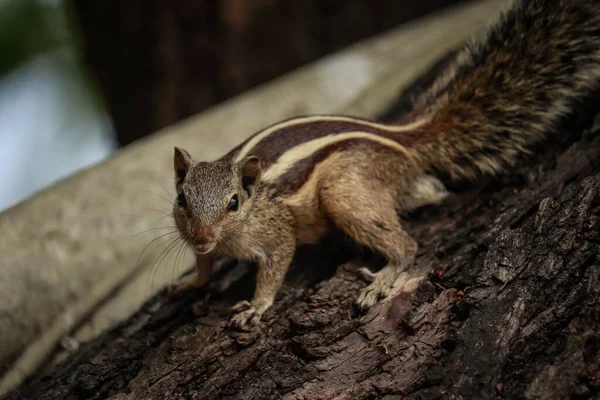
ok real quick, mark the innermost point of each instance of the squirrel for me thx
(291, 183)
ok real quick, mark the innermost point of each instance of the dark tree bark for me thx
(510, 308)
(157, 62)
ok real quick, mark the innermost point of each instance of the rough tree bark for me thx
(509, 307)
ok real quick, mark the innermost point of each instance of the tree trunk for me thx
(160, 61)
(502, 302)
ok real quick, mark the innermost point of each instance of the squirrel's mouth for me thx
(204, 248)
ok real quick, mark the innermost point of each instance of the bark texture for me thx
(509, 308)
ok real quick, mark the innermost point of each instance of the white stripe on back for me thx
(288, 159)
(310, 119)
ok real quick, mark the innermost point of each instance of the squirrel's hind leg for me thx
(365, 211)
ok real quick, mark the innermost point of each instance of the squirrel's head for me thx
(213, 198)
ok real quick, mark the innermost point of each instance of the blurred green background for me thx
(52, 117)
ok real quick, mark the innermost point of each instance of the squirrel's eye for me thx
(181, 199)
(233, 203)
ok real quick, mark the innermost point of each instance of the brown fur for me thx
(297, 179)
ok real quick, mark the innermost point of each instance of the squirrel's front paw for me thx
(246, 315)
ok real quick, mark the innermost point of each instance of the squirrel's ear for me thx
(182, 163)
(250, 171)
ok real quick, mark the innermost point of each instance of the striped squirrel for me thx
(290, 183)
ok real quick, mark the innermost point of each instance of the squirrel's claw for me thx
(241, 306)
(366, 274)
(245, 320)
(371, 294)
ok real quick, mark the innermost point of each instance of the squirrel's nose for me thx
(203, 235)
(201, 241)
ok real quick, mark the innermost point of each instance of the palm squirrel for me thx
(289, 184)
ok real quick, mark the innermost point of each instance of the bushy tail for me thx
(508, 89)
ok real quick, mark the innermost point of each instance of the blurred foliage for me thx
(30, 28)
